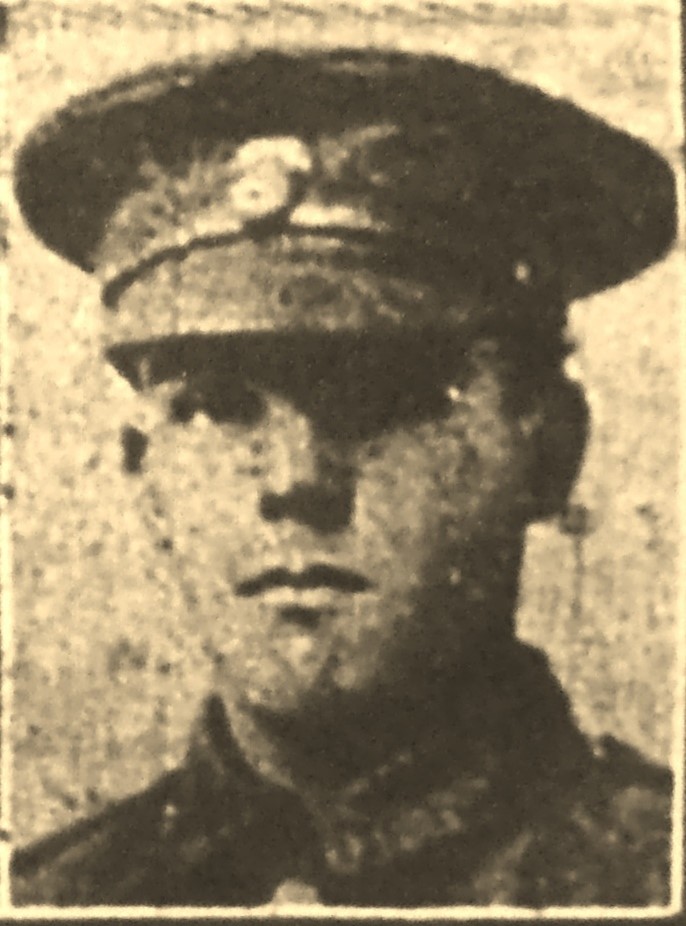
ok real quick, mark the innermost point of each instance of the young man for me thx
(339, 283)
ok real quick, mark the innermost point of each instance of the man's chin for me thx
(298, 674)
(279, 701)
(282, 693)
(301, 701)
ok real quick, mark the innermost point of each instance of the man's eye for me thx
(365, 412)
(182, 407)
(227, 402)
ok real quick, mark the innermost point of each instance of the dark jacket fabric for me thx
(508, 805)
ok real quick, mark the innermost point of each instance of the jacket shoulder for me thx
(604, 839)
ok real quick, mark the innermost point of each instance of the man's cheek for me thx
(477, 469)
(210, 507)
(394, 484)
(421, 479)
(201, 468)
(395, 643)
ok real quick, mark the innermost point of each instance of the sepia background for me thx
(104, 685)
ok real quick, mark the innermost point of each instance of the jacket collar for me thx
(463, 779)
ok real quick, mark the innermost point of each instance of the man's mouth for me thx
(316, 576)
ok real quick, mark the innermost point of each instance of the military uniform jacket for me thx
(524, 812)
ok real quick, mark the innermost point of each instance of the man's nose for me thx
(306, 480)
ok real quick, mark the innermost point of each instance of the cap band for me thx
(285, 282)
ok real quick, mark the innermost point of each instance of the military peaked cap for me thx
(351, 186)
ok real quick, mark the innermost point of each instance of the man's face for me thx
(346, 511)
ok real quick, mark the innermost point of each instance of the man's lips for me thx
(318, 575)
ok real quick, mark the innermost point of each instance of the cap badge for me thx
(270, 177)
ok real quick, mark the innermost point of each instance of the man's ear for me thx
(561, 437)
(134, 444)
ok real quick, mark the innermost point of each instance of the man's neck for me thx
(326, 751)
(453, 776)
(472, 706)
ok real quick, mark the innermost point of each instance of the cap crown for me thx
(405, 161)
